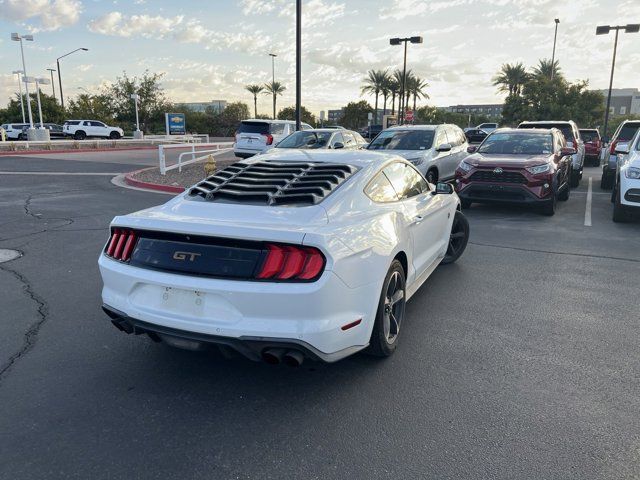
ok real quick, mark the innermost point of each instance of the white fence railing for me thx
(193, 150)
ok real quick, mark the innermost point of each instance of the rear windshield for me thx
(517, 144)
(628, 131)
(403, 140)
(589, 135)
(253, 127)
(565, 128)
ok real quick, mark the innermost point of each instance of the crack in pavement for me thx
(30, 336)
(521, 249)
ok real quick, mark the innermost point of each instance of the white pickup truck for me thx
(81, 129)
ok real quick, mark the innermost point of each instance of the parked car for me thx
(14, 131)
(254, 136)
(55, 130)
(339, 127)
(531, 167)
(320, 138)
(623, 134)
(81, 129)
(571, 133)
(626, 190)
(435, 150)
(592, 145)
(371, 131)
(475, 135)
(285, 256)
(487, 127)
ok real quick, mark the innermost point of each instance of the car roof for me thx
(522, 131)
(589, 130)
(415, 127)
(266, 120)
(357, 158)
(536, 122)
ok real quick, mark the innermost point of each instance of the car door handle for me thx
(417, 219)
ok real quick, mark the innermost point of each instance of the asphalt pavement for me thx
(519, 361)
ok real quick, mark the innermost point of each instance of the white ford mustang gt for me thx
(285, 256)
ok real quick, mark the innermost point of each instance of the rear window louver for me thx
(273, 183)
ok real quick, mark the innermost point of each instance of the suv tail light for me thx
(269, 138)
(289, 262)
(121, 244)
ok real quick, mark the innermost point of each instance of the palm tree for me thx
(373, 84)
(275, 89)
(255, 90)
(416, 87)
(546, 70)
(511, 78)
(402, 93)
(393, 89)
(385, 91)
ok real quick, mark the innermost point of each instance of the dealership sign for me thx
(175, 123)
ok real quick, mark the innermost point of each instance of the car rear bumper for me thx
(247, 152)
(248, 315)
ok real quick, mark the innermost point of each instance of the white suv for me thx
(435, 150)
(626, 190)
(255, 136)
(81, 129)
(14, 131)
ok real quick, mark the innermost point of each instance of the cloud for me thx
(48, 15)
(147, 26)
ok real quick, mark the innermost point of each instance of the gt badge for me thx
(182, 256)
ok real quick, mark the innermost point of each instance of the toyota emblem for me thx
(497, 170)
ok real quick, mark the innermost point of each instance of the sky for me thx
(211, 49)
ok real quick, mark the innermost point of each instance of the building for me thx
(487, 109)
(216, 105)
(624, 101)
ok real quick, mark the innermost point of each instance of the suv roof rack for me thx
(273, 183)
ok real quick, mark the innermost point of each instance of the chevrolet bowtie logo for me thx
(497, 170)
(184, 256)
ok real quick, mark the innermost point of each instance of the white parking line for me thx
(587, 211)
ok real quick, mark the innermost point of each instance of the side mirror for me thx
(566, 151)
(338, 145)
(472, 149)
(622, 148)
(444, 189)
(445, 147)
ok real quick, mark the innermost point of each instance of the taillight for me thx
(612, 149)
(121, 244)
(290, 262)
(269, 138)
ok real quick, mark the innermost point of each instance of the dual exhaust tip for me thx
(275, 356)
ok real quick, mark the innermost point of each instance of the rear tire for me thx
(114, 135)
(606, 182)
(458, 238)
(80, 135)
(432, 177)
(575, 179)
(390, 314)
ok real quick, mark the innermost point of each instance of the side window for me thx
(452, 136)
(86, 124)
(97, 124)
(278, 128)
(380, 189)
(337, 138)
(305, 126)
(349, 141)
(406, 181)
(441, 137)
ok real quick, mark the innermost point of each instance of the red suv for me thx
(592, 145)
(531, 167)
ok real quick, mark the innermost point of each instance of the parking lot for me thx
(518, 361)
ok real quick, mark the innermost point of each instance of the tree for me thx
(394, 88)
(511, 78)
(289, 113)
(545, 69)
(355, 114)
(274, 89)
(416, 87)
(373, 84)
(433, 116)
(153, 103)
(98, 107)
(254, 90)
(51, 110)
(399, 76)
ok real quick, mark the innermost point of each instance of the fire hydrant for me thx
(210, 166)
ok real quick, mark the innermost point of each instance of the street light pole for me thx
(53, 85)
(604, 30)
(273, 81)
(402, 99)
(553, 56)
(18, 38)
(298, 62)
(19, 72)
(60, 75)
(38, 82)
